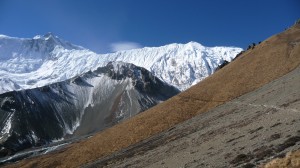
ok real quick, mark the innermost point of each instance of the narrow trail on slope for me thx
(266, 106)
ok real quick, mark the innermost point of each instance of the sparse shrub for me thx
(251, 46)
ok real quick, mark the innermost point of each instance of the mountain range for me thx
(30, 63)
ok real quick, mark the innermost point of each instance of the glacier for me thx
(27, 63)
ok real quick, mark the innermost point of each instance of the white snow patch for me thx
(5, 132)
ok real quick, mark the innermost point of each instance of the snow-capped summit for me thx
(29, 63)
(181, 65)
(23, 55)
(46, 36)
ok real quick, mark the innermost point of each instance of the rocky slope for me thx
(79, 106)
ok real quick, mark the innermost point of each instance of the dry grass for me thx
(271, 59)
(291, 160)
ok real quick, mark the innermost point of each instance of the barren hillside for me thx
(268, 61)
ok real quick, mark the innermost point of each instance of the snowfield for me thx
(29, 63)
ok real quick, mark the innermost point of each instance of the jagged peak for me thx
(48, 36)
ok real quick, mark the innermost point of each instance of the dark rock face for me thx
(222, 65)
(77, 107)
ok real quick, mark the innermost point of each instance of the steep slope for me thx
(79, 106)
(31, 63)
(244, 132)
(268, 61)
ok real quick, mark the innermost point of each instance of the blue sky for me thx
(108, 25)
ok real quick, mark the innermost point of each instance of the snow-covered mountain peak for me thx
(180, 65)
(28, 63)
(38, 47)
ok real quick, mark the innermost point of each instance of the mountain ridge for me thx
(47, 59)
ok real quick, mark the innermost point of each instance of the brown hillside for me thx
(271, 59)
